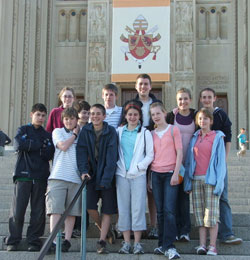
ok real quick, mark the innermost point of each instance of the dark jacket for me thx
(35, 148)
(222, 123)
(103, 171)
(171, 116)
(4, 139)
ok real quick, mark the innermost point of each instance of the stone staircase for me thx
(239, 195)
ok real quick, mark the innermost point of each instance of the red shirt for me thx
(202, 152)
(54, 120)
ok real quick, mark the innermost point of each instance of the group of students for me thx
(126, 152)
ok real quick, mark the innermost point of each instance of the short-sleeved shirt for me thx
(242, 138)
(128, 143)
(64, 163)
(113, 116)
(202, 152)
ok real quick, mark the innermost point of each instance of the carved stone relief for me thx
(217, 81)
(77, 84)
(95, 88)
(184, 56)
(98, 19)
(97, 57)
(184, 18)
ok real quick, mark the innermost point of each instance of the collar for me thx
(134, 130)
(208, 134)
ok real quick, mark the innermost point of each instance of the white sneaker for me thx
(184, 238)
(171, 253)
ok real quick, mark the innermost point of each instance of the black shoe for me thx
(111, 236)
(76, 233)
(34, 248)
(66, 245)
(101, 247)
(52, 249)
(11, 248)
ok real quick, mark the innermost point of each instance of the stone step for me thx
(149, 245)
(113, 256)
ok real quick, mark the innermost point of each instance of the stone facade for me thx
(48, 44)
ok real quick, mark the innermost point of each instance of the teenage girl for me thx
(135, 155)
(66, 98)
(204, 176)
(165, 170)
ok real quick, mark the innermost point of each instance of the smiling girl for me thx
(135, 155)
(204, 176)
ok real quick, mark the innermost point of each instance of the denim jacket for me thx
(216, 171)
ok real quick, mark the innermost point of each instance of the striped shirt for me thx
(113, 116)
(64, 163)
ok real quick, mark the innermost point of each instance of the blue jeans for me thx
(225, 226)
(183, 221)
(165, 196)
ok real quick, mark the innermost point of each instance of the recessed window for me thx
(202, 11)
(223, 10)
(213, 10)
(62, 13)
(73, 13)
(83, 13)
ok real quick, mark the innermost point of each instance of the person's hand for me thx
(174, 179)
(188, 192)
(85, 175)
(149, 188)
(76, 129)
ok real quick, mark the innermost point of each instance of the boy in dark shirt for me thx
(35, 149)
(96, 154)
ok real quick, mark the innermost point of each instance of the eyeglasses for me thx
(67, 96)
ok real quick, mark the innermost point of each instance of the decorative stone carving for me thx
(97, 57)
(184, 56)
(213, 80)
(184, 17)
(98, 19)
(95, 88)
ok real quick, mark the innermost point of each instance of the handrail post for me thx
(83, 224)
(59, 245)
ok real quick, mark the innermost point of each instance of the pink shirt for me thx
(54, 120)
(202, 152)
(165, 150)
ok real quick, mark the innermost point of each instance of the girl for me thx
(184, 117)
(165, 170)
(135, 155)
(205, 173)
(66, 97)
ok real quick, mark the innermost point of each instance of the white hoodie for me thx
(143, 155)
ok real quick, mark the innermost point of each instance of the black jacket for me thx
(35, 148)
(222, 122)
(4, 139)
(103, 171)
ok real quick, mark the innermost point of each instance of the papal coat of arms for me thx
(140, 41)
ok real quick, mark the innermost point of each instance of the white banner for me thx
(140, 39)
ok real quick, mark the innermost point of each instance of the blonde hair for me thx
(158, 104)
(184, 90)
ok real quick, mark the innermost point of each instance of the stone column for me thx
(243, 8)
(98, 42)
(182, 66)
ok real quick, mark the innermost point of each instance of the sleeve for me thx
(111, 160)
(143, 165)
(82, 153)
(177, 138)
(8, 140)
(49, 126)
(226, 127)
(187, 181)
(57, 136)
(220, 167)
(48, 149)
(23, 142)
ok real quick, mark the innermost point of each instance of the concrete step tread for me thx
(149, 245)
(114, 256)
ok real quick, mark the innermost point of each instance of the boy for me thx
(143, 86)
(64, 180)
(113, 112)
(4, 139)
(83, 110)
(221, 122)
(242, 142)
(35, 149)
(96, 159)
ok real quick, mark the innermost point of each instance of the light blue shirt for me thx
(128, 143)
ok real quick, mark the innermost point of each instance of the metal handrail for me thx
(59, 224)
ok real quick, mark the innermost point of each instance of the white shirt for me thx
(145, 112)
(64, 164)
